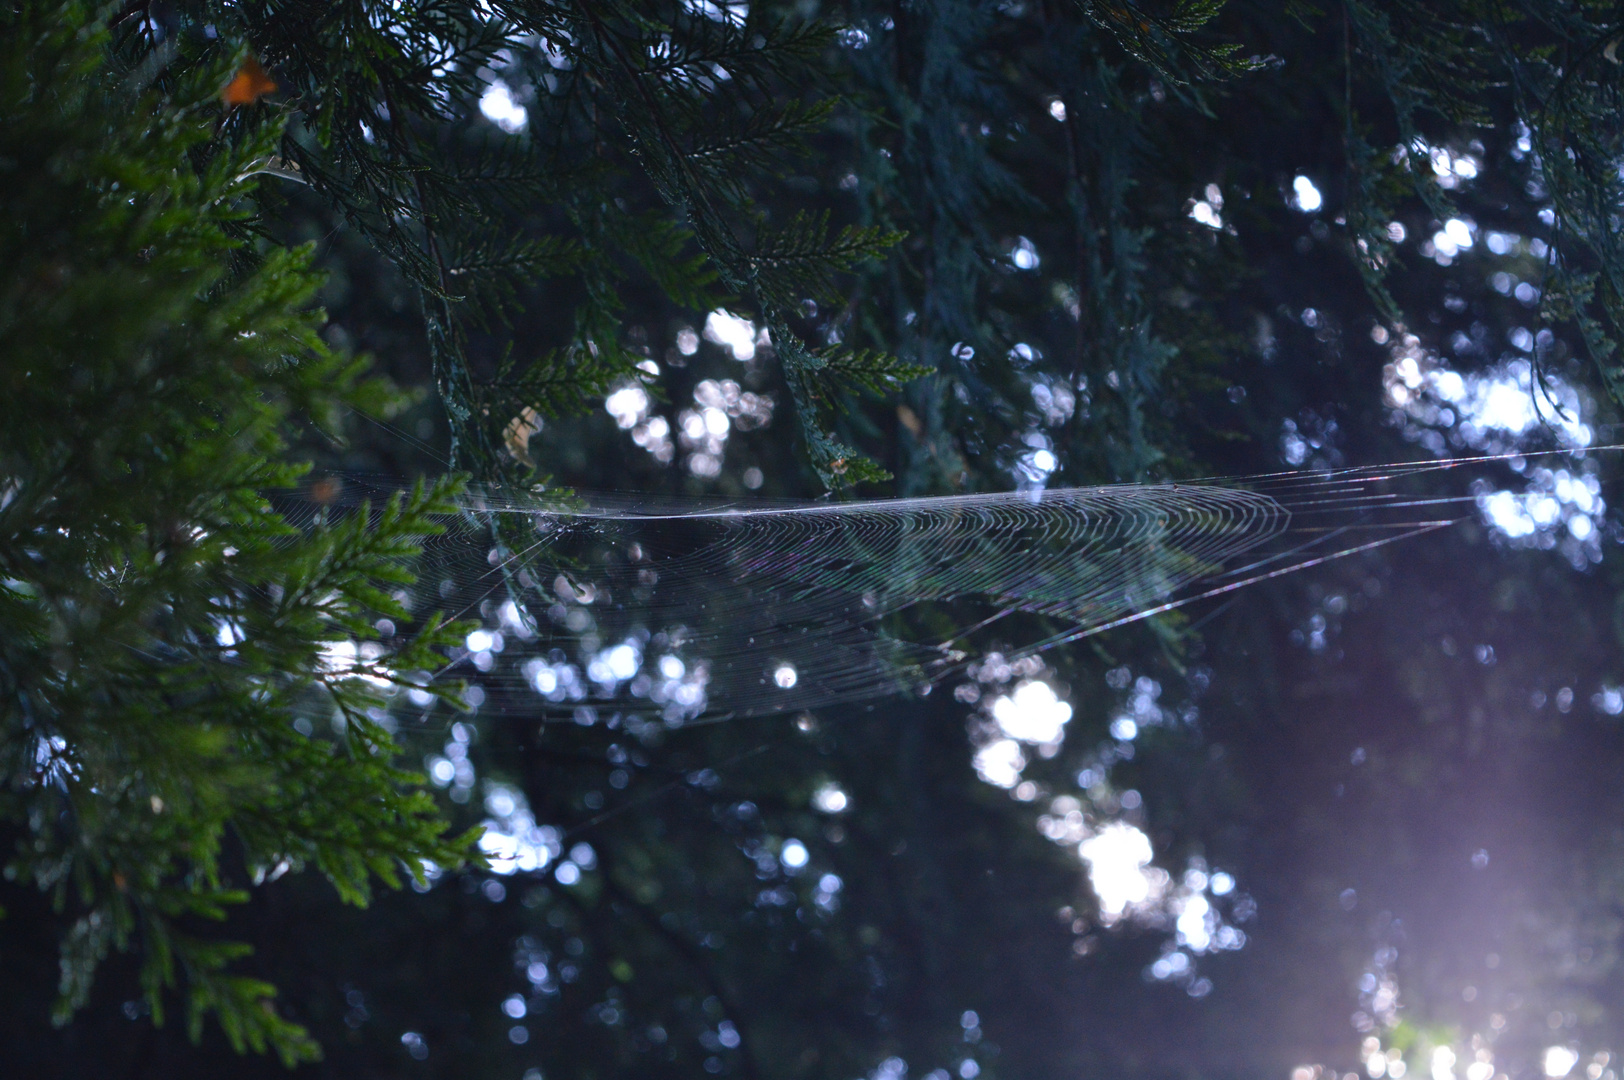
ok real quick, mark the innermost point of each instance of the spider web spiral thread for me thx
(673, 612)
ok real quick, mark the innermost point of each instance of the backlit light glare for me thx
(1305, 196)
(1559, 1061)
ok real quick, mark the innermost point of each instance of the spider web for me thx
(649, 611)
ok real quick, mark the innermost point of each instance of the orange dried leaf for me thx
(247, 86)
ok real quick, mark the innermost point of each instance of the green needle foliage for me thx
(660, 129)
(1547, 71)
(174, 650)
(165, 633)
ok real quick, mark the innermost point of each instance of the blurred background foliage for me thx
(1363, 820)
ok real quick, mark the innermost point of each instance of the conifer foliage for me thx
(1546, 72)
(658, 132)
(192, 683)
(166, 635)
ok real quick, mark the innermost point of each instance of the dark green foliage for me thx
(1548, 69)
(161, 624)
(1166, 37)
(999, 128)
(884, 161)
(632, 95)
